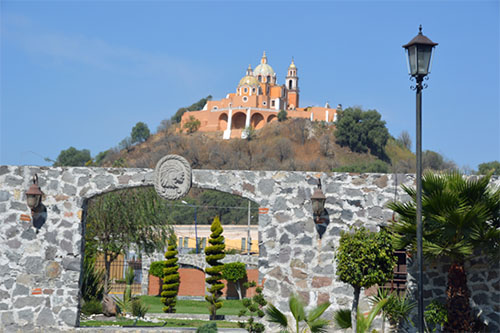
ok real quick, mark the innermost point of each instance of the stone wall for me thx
(40, 270)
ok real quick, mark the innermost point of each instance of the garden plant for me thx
(364, 259)
(235, 272)
(170, 287)
(213, 254)
(254, 307)
(460, 218)
(311, 320)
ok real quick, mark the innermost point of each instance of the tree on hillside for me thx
(124, 219)
(176, 118)
(140, 132)
(460, 217)
(364, 259)
(493, 166)
(213, 254)
(435, 161)
(404, 140)
(192, 125)
(282, 115)
(73, 157)
(362, 131)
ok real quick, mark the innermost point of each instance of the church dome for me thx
(249, 80)
(263, 68)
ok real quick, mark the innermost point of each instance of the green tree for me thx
(118, 220)
(140, 132)
(192, 125)
(213, 254)
(73, 157)
(362, 131)
(364, 259)
(459, 216)
(311, 319)
(435, 161)
(176, 118)
(493, 166)
(170, 287)
(282, 115)
(235, 272)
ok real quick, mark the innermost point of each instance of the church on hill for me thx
(257, 101)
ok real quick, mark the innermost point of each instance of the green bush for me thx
(156, 268)
(435, 315)
(235, 272)
(138, 308)
(90, 307)
(207, 328)
(213, 254)
(254, 308)
(170, 287)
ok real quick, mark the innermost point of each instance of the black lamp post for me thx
(419, 52)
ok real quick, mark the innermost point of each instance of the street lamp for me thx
(195, 224)
(419, 53)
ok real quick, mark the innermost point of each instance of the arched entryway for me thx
(272, 118)
(222, 122)
(239, 120)
(257, 121)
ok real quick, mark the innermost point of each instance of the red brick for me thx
(25, 217)
(36, 291)
(48, 291)
(68, 214)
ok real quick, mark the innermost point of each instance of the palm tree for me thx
(311, 319)
(459, 217)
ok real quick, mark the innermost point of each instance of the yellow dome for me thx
(292, 65)
(249, 80)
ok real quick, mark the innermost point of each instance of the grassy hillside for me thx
(295, 144)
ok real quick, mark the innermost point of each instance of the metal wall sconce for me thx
(34, 195)
(321, 218)
(34, 201)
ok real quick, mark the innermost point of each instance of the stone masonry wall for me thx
(39, 272)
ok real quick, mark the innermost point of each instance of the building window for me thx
(245, 99)
(253, 90)
(268, 79)
(273, 103)
(246, 90)
(264, 103)
(290, 84)
(214, 108)
(260, 78)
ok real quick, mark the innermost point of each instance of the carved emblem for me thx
(172, 177)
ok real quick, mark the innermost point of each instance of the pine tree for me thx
(213, 254)
(170, 286)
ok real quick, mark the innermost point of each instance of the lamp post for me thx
(419, 56)
(195, 224)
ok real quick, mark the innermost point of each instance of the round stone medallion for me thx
(173, 177)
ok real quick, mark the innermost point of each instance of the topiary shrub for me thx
(213, 254)
(156, 268)
(235, 272)
(170, 286)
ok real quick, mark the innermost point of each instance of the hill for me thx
(294, 144)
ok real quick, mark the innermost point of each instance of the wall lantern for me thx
(318, 202)
(419, 52)
(34, 195)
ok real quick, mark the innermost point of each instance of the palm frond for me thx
(317, 311)
(297, 308)
(342, 318)
(276, 316)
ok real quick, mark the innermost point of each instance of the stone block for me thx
(321, 281)
(68, 317)
(45, 318)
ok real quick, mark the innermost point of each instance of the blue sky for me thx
(83, 74)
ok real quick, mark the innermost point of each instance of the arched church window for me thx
(260, 78)
(289, 84)
(246, 90)
(268, 79)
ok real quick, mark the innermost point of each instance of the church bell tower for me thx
(292, 87)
